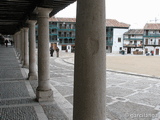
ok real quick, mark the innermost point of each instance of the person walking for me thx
(51, 51)
(57, 51)
(6, 42)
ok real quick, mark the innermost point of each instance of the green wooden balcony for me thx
(152, 35)
(133, 38)
(109, 43)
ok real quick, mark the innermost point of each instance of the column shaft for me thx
(44, 91)
(19, 44)
(26, 62)
(90, 61)
(32, 51)
(22, 46)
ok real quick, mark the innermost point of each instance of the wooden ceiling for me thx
(14, 13)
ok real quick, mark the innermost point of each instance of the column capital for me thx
(31, 21)
(25, 29)
(19, 32)
(22, 29)
(16, 33)
(43, 12)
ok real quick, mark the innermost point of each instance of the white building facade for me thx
(114, 35)
(152, 38)
(133, 41)
(118, 39)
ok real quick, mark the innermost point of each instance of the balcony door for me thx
(158, 42)
(157, 51)
(146, 41)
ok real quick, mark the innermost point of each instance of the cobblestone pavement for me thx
(129, 97)
(17, 95)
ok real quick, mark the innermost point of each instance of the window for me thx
(64, 47)
(119, 39)
(65, 40)
(106, 47)
(70, 40)
(132, 35)
(146, 41)
(60, 40)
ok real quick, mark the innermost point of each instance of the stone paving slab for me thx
(18, 113)
(13, 90)
(64, 90)
(18, 101)
(145, 98)
(15, 100)
(10, 73)
(53, 112)
(129, 96)
(130, 111)
(118, 91)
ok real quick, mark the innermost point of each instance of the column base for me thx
(32, 76)
(25, 66)
(44, 96)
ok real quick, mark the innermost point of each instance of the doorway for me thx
(157, 51)
(129, 50)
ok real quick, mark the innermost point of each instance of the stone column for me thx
(90, 61)
(15, 41)
(44, 91)
(19, 44)
(22, 46)
(25, 60)
(32, 51)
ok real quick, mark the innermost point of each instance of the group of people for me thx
(52, 51)
(5, 42)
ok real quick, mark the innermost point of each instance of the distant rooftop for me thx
(58, 19)
(134, 31)
(152, 26)
(115, 23)
(109, 22)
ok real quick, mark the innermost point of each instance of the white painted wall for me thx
(117, 33)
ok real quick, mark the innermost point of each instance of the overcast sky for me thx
(134, 12)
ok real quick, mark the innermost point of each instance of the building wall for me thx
(118, 33)
(63, 34)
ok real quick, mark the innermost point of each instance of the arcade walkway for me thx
(17, 98)
(128, 97)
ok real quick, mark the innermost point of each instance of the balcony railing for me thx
(65, 29)
(133, 45)
(151, 35)
(132, 38)
(62, 37)
(109, 43)
(152, 44)
(53, 26)
(66, 43)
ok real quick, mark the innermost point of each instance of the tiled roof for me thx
(134, 31)
(152, 26)
(115, 23)
(58, 19)
(109, 22)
